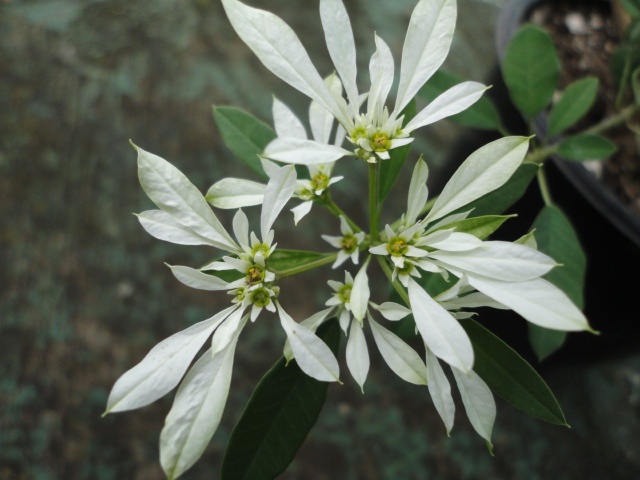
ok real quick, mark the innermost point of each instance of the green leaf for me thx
(635, 84)
(586, 147)
(281, 411)
(498, 201)
(632, 7)
(556, 237)
(390, 169)
(531, 70)
(575, 102)
(285, 259)
(510, 376)
(480, 227)
(245, 135)
(482, 114)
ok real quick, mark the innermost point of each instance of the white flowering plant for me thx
(436, 257)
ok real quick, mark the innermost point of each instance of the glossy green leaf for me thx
(586, 147)
(480, 227)
(531, 70)
(281, 411)
(556, 237)
(575, 102)
(632, 7)
(245, 135)
(390, 169)
(482, 114)
(510, 376)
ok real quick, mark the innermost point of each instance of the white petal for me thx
(196, 412)
(357, 354)
(312, 355)
(171, 191)
(344, 226)
(231, 193)
(163, 367)
(280, 50)
(381, 67)
(441, 332)
(342, 47)
(285, 121)
(478, 402)
(502, 260)
(301, 210)
(344, 319)
(484, 171)
(279, 190)
(440, 391)
(320, 118)
(312, 323)
(458, 242)
(418, 191)
(400, 357)
(196, 279)
(334, 241)
(163, 226)
(425, 47)
(241, 228)
(379, 249)
(340, 259)
(453, 101)
(303, 152)
(228, 331)
(392, 311)
(473, 300)
(536, 300)
(360, 293)
(269, 167)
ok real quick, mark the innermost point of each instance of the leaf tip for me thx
(490, 448)
(133, 145)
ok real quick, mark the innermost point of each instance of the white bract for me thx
(348, 243)
(378, 130)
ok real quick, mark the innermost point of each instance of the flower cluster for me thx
(441, 239)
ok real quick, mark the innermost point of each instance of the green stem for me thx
(328, 258)
(373, 200)
(337, 211)
(544, 188)
(396, 284)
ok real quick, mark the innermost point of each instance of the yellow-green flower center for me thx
(255, 274)
(344, 293)
(380, 142)
(320, 182)
(260, 297)
(397, 246)
(261, 247)
(349, 243)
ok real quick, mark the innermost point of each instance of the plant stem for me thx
(373, 200)
(544, 188)
(337, 211)
(396, 284)
(328, 258)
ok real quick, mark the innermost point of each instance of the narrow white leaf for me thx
(285, 121)
(163, 226)
(228, 330)
(172, 192)
(301, 211)
(163, 367)
(279, 190)
(401, 358)
(360, 293)
(485, 170)
(241, 228)
(536, 300)
(381, 70)
(196, 279)
(231, 193)
(312, 323)
(312, 355)
(320, 118)
(357, 354)
(440, 390)
(442, 333)
(392, 311)
(303, 152)
(478, 402)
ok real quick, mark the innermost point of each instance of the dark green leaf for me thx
(531, 70)
(482, 114)
(586, 147)
(632, 7)
(556, 237)
(498, 201)
(245, 135)
(575, 102)
(390, 169)
(480, 227)
(635, 84)
(285, 259)
(281, 411)
(510, 376)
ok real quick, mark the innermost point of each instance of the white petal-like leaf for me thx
(172, 192)
(196, 279)
(312, 355)
(320, 118)
(163, 367)
(231, 193)
(478, 402)
(502, 260)
(400, 357)
(303, 152)
(458, 242)
(301, 211)
(357, 354)
(442, 333)
(536, 300)
(163, 226)
(279, 190)
(453, 101)
(241, 228)
(392, 311)
(196, 412)
(425, 47)
(440, 390)
(485, 170)
(285, 122)
(360, 293)
(312, 323)
(381, 70)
